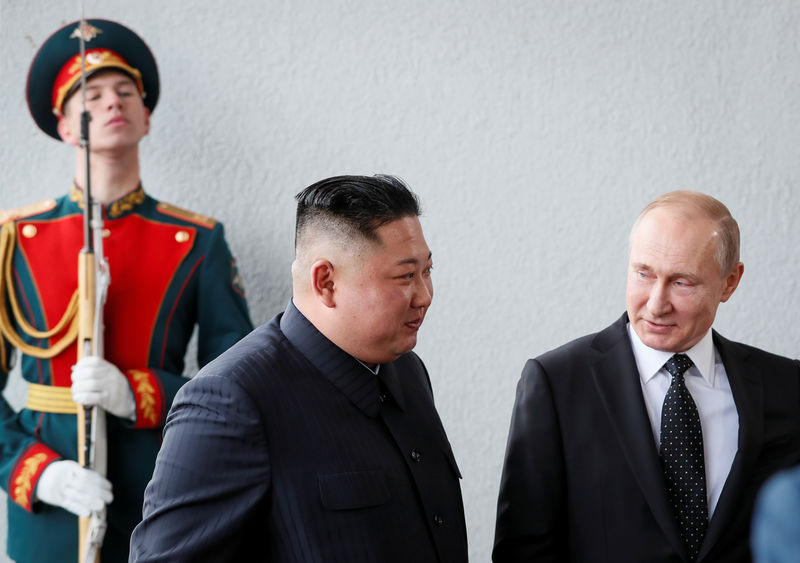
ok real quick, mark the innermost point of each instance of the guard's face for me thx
(382, 302)
(674, 282)
(119, 117)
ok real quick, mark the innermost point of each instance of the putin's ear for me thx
(732, 281)
(322, 286)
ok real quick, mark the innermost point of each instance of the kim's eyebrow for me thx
(412, 260)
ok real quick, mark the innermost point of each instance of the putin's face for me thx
(674, 280)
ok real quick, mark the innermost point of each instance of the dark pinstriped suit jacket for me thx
(282, 450)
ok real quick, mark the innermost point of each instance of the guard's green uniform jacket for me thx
(170, 269)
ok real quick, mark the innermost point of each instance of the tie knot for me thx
(678, 364)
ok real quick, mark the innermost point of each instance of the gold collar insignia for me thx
(116, 208)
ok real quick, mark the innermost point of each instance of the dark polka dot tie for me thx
(682, 457)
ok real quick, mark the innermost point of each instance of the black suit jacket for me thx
(287, 449)
(582, 480)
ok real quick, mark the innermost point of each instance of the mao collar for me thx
(352, 378)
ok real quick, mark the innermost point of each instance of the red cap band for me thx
(96, 59)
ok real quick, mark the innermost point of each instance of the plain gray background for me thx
(533, 131)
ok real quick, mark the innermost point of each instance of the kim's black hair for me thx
(355, 204)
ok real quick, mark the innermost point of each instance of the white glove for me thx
(74, 488)
(96, 382)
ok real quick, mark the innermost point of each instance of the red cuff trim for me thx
(27, 472)
(149, 397)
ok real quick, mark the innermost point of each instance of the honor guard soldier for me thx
(169, 270)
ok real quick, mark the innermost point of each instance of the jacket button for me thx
(438, 520)
(416, 456)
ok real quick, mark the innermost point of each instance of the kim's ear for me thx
(322, 278)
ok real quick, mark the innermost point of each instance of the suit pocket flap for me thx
(355, 489)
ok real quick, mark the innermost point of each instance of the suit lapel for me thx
(746, 388)
(616, 378)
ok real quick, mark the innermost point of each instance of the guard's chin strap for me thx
(7, 329)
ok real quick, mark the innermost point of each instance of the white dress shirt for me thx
(707, 381)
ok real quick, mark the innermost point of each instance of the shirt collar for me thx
(376, 370)
(649, 361)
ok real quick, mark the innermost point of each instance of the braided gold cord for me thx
(7, 239)
(4, 367)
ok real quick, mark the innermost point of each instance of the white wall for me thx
(533, 131)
